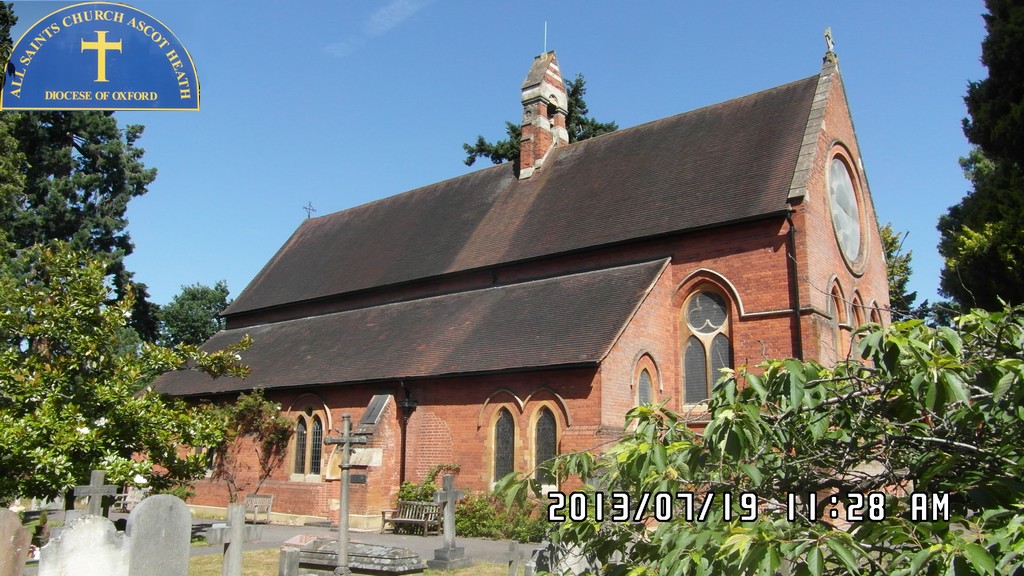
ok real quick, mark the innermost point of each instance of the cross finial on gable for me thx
(830, 54)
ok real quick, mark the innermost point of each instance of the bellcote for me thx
(545, 107)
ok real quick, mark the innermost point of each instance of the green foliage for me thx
(578, 125)
(70, 398)
(7, 21)
(250, 422)
(479, 515)
(424, 491)
(925, 410)
(421, 492)
(192, 316)
(996, 104)
(501, 151)
(484, 515)
(983, 235)
(897, 266)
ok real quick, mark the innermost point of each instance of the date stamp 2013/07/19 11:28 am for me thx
(745, 506)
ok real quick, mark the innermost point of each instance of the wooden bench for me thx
(257, 504)
(129, 499)
(425, 514)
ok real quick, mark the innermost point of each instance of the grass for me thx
(265, 562)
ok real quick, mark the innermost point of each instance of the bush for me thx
(417, 492)
(483, 515)
(480, 515)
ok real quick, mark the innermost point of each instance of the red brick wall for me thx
(819, 256)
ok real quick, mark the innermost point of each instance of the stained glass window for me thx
(300, 447)
(833, 311)
(706, 312)
(316, 446)
(707, 348)
(721, 356)
(504, 444)
(843, 204)
(696, 373)
(545, 439)
(644, 395)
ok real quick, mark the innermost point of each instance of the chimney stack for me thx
(545, 107)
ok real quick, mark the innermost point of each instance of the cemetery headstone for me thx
(88, 546)
(449, 557)
(14, 542)
(160, 528)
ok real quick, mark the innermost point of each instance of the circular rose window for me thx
(845, 214)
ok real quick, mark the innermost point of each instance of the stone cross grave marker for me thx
(233, 536)
(14, 541)
(450, 556)
(96, 490)
(346, 440)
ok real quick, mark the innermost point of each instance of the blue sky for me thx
(342, 103)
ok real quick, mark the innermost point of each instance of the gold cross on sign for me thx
(101, 46)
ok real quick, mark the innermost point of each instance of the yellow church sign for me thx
(100, 56)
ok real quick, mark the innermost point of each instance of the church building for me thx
(501, 317)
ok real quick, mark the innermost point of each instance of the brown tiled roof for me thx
(570, 320)
(728, 162)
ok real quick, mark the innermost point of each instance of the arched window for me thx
(316, 446)
(876, 316)
(310, 423)
(644, 388)
(504, 444)
(835, 311)
(545, 443)
(706, 348)
(858, 311)
(300, 446)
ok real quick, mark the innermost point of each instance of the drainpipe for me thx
(407, 405)
(794, 289)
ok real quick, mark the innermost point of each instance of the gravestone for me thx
(14, 542)
(160, 528)
(449, 557)
(156, 543)
(319, 557)
(88, 546)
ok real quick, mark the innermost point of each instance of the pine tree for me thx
(578, 124)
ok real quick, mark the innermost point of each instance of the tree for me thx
(79, 172)
(996, 104)
(578, 125)
(70, 398)
(251, 422)
(898, 269)
(933, 412)
(981, 237)
(193, 315)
